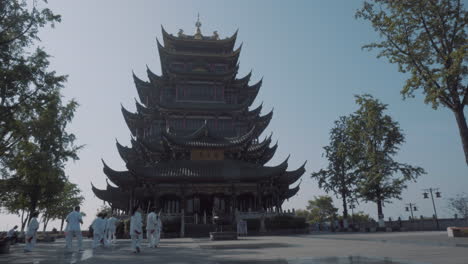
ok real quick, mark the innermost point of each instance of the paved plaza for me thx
(345, 248)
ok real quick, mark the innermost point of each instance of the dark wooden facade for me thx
(195, 140)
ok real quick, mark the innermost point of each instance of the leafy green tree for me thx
(38, 160)
(339, 177)
(60, 205)
(105, 209)
(25, 80)
(360, 217)
(321, 209)
(14, 202)
(459, 204)
(376, 139)
(303, 213)
(427, 39)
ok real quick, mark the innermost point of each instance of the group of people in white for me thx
(103, 230)
(153, 229)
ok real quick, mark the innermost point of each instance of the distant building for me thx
(195, 144)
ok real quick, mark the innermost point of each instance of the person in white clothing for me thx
(136, 229)
(111, 228)
(31, 233)
(73, 229)
(158, 229)
(99, 229)
(12, 235)
(151, 226)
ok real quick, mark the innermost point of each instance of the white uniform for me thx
(99, 229)
(31, 234)
(158, 229)
(11, 233)
(136, 230)
(73, 229)
(151, 226)
(111, 227)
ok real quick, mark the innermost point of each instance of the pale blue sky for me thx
(309, 53)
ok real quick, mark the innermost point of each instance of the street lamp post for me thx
(410, 207)
(438, 195)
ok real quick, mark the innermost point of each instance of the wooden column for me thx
(182, 224)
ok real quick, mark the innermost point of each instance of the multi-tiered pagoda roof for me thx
(194, 133)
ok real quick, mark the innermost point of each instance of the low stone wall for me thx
(401, 225)
(426, 224)
(280, 232)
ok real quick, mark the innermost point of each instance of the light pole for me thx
(352, 206)
(410, 207)
(438, 195)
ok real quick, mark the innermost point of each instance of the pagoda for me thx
(195, 145)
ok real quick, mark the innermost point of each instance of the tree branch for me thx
(443, 39)
(431, 38)
(425, 73)
(456, 24)
(8, 41)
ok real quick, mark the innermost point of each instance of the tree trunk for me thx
(345, 206)
(379, 209)
(32, 206)
(23, 221)
(61, 224)
(463, 128)
(46, 221)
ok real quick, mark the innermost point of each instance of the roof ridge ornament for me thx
(180, 34)
(215, 35)
(198, 34)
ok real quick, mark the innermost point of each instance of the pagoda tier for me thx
(225, 173)
(195, 137)
(146, 123)
(210, 44)
(150, 93)
(243, 147)
(200, 66)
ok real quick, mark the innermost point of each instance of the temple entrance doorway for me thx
(246, 202)
(170, 204)
(221, 203)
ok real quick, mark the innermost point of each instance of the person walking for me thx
(136, 229)
(12, 235)
(151, 226)
(73, 229)
(31, 233)
(111, 228)
(99, 230)
(158, 229)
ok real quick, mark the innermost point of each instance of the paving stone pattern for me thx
(346, 248)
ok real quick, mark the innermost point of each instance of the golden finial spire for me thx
(198, 24)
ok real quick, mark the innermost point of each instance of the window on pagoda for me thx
(166, 94)
(194, 123)
(211, 123)
(177, 66)
(230, 99)
(219, 67)
(207, 154)
(178, 123)
(225, 126)
(204, 92)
